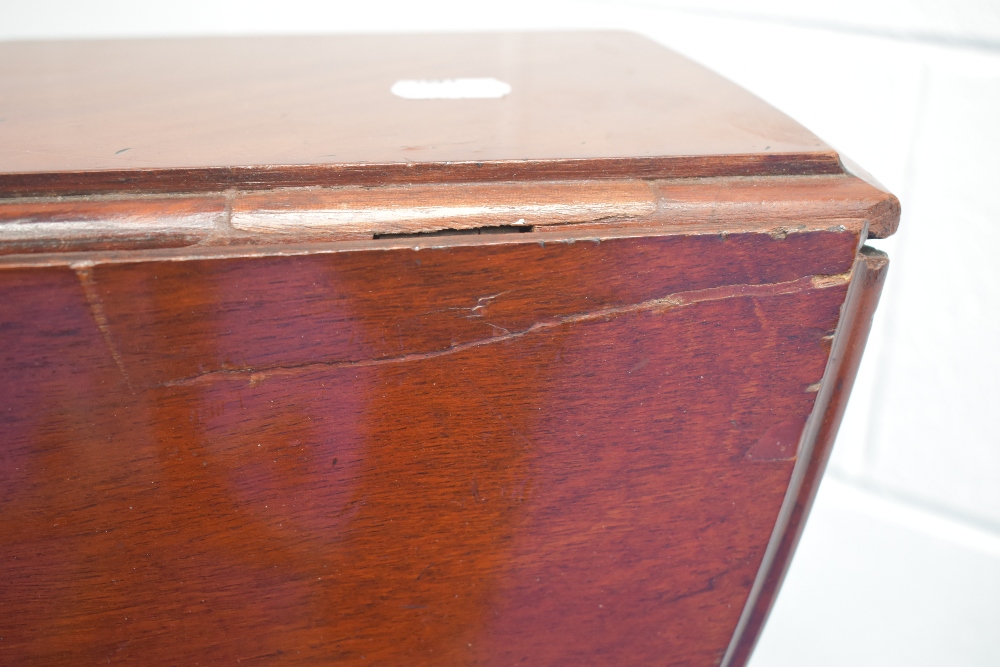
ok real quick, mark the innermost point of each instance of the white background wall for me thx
(900, 562)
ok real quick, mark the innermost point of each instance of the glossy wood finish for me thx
(286, 426)
(301, 215)
(845, 357)
(321, 452)
(207, 114)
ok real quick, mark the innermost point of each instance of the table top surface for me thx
(176, 109)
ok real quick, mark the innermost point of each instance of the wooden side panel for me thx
(174, 321)
(845, 358)
(541, 452)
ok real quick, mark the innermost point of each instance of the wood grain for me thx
(470, 453)
(118, 223)
(778, 199)
(303, 215)
(275, 391)
(845, 358)
(211, 114)
(361, 213)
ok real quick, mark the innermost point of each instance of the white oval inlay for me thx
(450, 89)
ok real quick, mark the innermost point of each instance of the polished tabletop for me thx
(278, 104)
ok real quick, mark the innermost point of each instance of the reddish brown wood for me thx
(564, 438)
(845, 358)
(119, 223)
(301, 215)
(239, 422)
(208, 114)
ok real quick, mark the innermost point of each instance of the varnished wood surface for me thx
(208, 114)
(276, 390)
(480, 452)
(298, 215)
(845, 358)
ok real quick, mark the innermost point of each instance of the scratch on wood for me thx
(654, 306)
(226, 220)
(84, 272)
(482, 304)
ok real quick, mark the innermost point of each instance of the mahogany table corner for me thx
(489, 349)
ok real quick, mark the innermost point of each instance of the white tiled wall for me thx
(900, 562)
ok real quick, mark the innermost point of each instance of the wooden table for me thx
(539, 363)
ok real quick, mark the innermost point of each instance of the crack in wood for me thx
(85, 275)
(656, 306)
